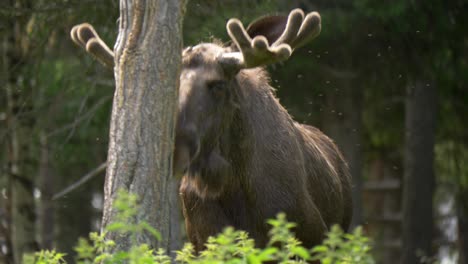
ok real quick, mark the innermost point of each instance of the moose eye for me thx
(217, 86)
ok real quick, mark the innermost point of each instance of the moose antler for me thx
(256, 51)
(85, 36)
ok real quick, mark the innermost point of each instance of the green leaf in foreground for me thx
(231, 246)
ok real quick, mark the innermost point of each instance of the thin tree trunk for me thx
(418, 186)
(21, 181)
(46, 181)
(23, 215)
(462, 218)
(148, 55)
(5, 215)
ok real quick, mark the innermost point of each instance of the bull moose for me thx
(242, 158)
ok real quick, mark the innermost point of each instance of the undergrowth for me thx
(231, 246)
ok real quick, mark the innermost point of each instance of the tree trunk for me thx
(343, 123)
(5, 155)
(46, 185)
(19, 100)
(147, 58)
(462, 218)
(23, 217)
(418, 186)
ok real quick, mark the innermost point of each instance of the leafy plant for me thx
(231, 246)
(340, 247)
(45, 257)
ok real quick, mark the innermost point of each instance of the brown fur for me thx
(250, 160)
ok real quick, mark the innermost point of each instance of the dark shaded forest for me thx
(385, 80)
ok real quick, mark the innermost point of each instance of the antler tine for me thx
(253, 52)
(74, 36)
(300, 30)
(293, 25)
(257, 51)
(310, 29)
(85, 36)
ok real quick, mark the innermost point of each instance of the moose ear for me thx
(271, 27)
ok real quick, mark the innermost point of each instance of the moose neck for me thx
(258, 122)
(266, 121)
(260, 127)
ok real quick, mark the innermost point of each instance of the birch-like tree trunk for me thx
(147, 66)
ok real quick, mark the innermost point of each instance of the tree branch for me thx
(79, 119)
(81, 181)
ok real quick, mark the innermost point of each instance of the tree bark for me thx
(418, 186)
(147, 59)
(462, 218)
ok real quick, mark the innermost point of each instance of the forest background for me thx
(386, 80)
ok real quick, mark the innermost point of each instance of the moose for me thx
(241, 157)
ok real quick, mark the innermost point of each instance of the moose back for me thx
(241, 157)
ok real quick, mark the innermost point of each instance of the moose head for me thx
(209, 91)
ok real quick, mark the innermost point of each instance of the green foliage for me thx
(344, 248)
(231, 246)
(126, 210)
(96, 251)
(44, 257)
(282, 238)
